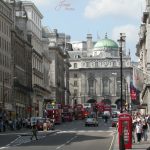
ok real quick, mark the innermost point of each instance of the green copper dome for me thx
(106, 43)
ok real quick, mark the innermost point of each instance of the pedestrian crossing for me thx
(85, 131)
(24, 139)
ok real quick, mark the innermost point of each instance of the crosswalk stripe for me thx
(82, 131)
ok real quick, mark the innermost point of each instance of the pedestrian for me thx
(105, 118)
(138, 129)
(145, 129)
(133, 130)
(34, 132)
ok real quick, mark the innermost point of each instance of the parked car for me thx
(90, 121)
(114, 122)
(115, 114)
(33, 120)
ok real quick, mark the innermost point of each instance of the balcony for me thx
(38, 73)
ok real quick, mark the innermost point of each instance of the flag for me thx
(134, 93)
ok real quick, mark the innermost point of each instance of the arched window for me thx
(91, 85)
(106, 86)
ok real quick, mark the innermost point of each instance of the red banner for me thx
(133, 94)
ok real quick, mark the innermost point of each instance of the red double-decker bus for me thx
(54, 112)
(67, 113)
(78, 111)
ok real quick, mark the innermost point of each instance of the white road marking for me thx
(82, 131)
(13, 141)
(3, 147)
(112, 142)
(66, 142)
(14, 133)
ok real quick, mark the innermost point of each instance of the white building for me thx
(95, 71)
(59, 68)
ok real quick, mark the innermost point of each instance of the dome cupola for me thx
(106, 43)
(105, 48)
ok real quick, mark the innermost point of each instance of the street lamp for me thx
(121, 41)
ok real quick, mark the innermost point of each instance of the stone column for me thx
(83, 86)
(98, 93)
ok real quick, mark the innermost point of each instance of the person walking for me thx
(145, 129)
(133, 130)
(34, 132)
(138, 129)
(105, 118)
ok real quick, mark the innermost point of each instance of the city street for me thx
(67, 136)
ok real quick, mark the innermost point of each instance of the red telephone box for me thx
(125, 129)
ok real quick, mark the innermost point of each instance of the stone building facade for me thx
(34, 29)
(59, 68)
(95, 71)
(6, 23)
(21, 62)
(143, 52)
(22, 73)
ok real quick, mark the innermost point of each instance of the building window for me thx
(96, 64)
(91, 86)
(114, 64)
(75, 92)
(75, 83)
(75, 75)
(106, 86)
(87, 64)
(75, 65)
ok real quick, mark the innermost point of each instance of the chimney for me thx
(89, 41)
(148, 5)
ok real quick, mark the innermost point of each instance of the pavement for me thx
(143, 145)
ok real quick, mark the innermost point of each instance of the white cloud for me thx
(101, 8)
(131, 33)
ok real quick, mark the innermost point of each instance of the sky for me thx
(78, 18)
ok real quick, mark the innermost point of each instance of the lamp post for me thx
(121, 41)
